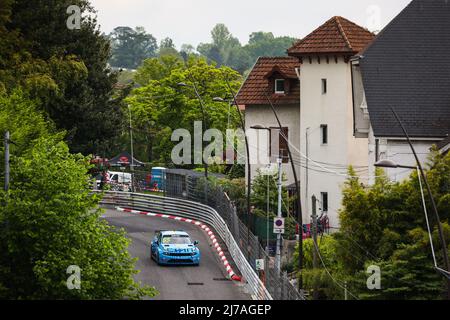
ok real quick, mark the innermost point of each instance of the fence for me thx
(192, 187)
(196, 211)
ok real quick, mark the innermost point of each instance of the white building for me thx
(348, 82)
(328, 145)
(276, 79)
(407, 68)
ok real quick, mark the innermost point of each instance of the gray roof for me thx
(407, 67)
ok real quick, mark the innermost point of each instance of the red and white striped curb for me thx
(203, 226)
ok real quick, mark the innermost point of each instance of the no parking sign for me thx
(278, 226)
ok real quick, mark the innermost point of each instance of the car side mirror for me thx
(195, 243)
(157, 242)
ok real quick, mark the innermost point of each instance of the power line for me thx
(343, 286)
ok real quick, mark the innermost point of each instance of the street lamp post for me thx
(132, 150)
(299, 205)
(249, 172)
(391, 164)
(203, 109)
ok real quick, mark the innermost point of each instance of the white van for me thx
(119, 177)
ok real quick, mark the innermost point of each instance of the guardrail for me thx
(197, 211)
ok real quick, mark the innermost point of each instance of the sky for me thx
(191, 21)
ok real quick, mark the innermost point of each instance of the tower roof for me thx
(336, 36)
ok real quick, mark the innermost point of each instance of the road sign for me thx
(278, 226)
(259, 264)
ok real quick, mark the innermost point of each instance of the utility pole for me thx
(268, 214)
(132, 151)
(299, 204)
(307, 169)
(279, 215)
(7, 169)
(314, 235)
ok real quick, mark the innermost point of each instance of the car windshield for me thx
(176, 239)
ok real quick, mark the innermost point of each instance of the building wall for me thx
(259, 139)
(400, 152)
(335, 109)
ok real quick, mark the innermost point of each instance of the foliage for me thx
(319, 278)
(237, 171)
(236, 190)
(131, 46)
(227, 50)
(49, 220)
(160, 105)
(260, 185)
(67, 71)
(384, 225)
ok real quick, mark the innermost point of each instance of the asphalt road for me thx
(206, 282)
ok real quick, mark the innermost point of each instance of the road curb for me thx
(233, 276)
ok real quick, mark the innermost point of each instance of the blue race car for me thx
(174, 248)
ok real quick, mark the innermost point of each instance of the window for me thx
(324, 86)
(324, 134)
(278, 144)
(279, 86)
(324, 200)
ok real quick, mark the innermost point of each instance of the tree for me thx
(220, 49)
(318, 277)
(384, 225)
(161, 106)
(188, 48)
(265, 44)
(261, 183)
(167, 43)
(131, 46)
(157, 69)
(227, 50)
(49, 219)
(66, 71)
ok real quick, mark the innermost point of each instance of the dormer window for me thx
(279, 86)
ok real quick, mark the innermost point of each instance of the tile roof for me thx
(408, 67)
(338, 36)
(255, 87)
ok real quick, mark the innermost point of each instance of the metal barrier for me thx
(193, 188)
(197, 211)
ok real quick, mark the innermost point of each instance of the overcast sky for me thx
(191, 21)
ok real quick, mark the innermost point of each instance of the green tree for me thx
(161, 106)
(224, 49)
(157, 69)
(66, 71)
(384, 225)
(265, 44)
(167, 43)
(49, 220)
(131, 46)
(318, 277)
(260, 185)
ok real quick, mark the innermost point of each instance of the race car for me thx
(174, 248)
